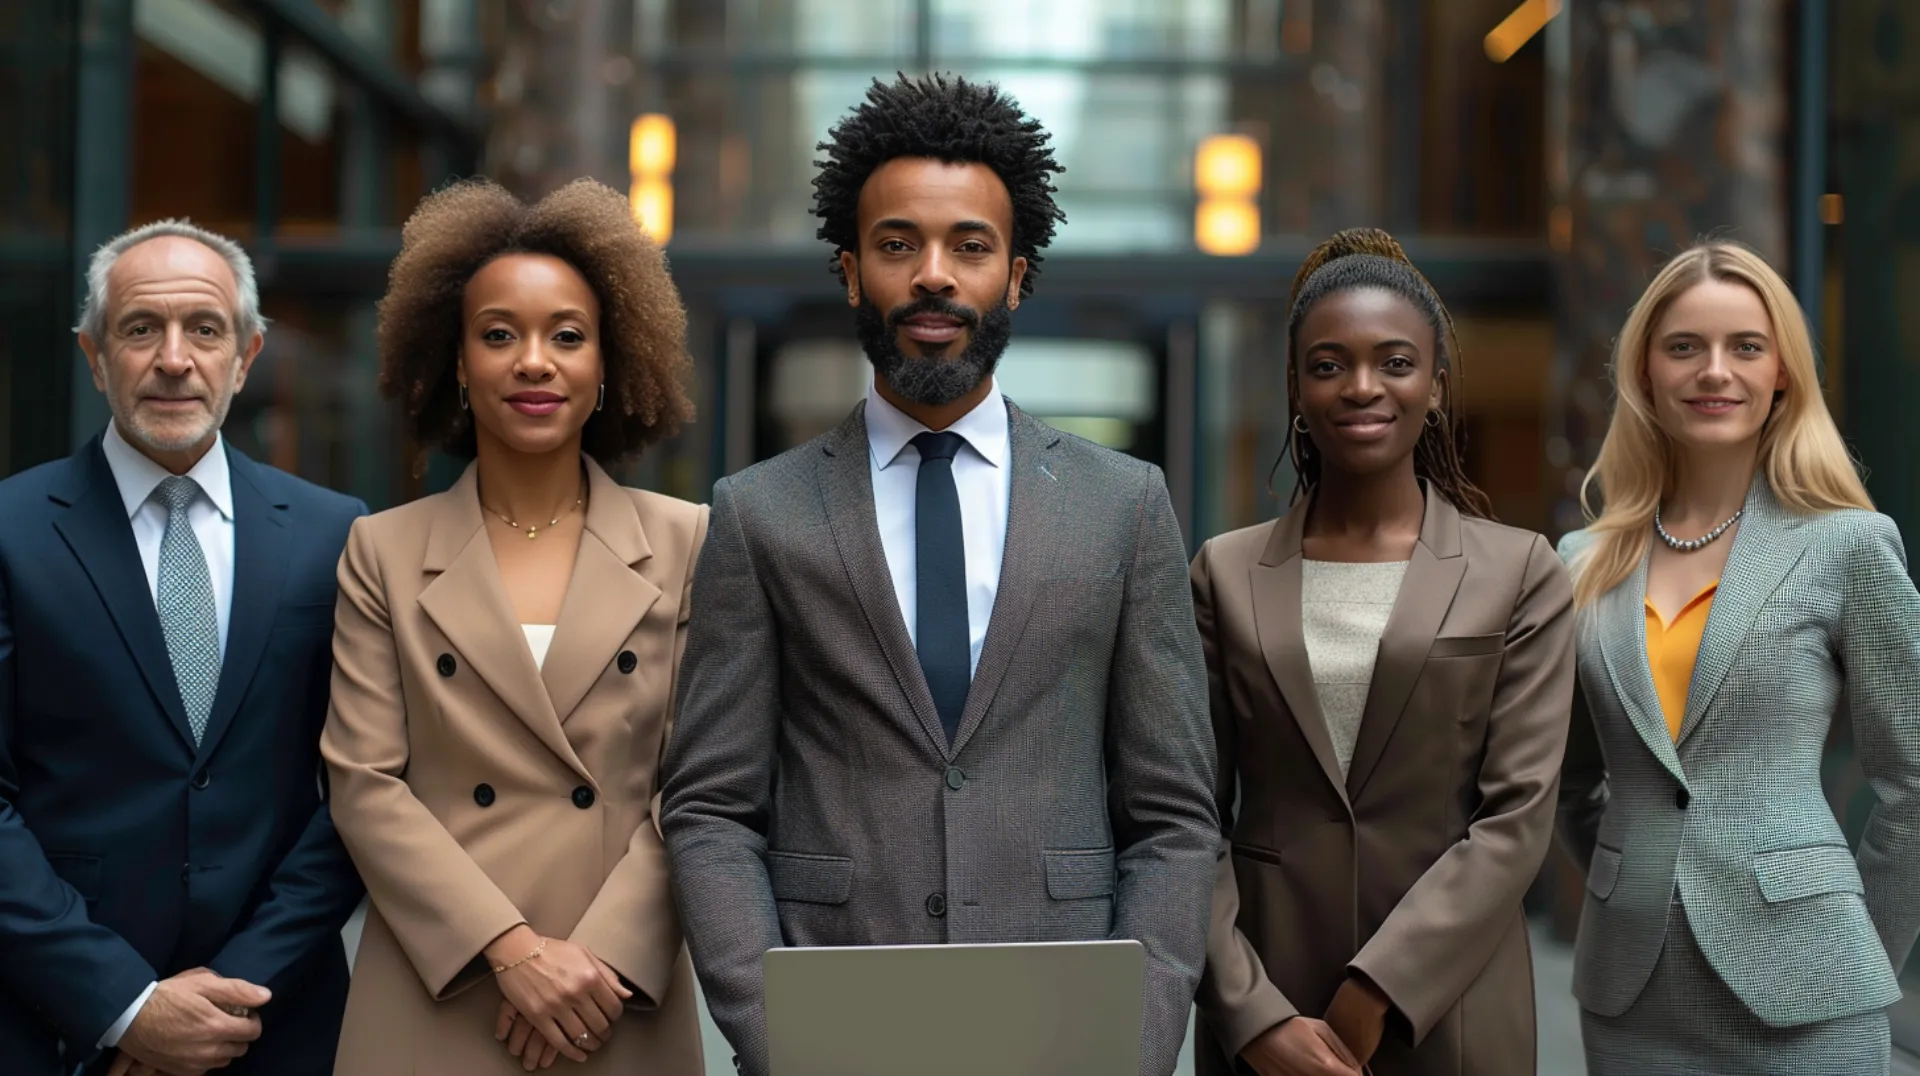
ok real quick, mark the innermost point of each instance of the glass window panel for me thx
(1081, 29)
(828, 28)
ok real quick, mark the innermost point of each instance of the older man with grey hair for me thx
(171, 886)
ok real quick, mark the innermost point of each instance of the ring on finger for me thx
(583, 1040)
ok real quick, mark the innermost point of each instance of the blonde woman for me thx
(1735, 586)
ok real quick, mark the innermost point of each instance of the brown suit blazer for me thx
(1411, 869)
(476, 790)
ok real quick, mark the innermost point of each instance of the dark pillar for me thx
(1877, 66)
(38, 57)
(103, 172)
(1667, 122)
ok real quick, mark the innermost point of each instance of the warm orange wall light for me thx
(1519, 27)
(651, 149)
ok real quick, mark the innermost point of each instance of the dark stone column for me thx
(1667, 122)
(1877, 115)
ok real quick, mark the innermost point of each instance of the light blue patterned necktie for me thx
(185, 602)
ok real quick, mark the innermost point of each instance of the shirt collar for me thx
(137, 476)
(985, 428)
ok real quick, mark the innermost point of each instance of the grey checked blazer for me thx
(811, 797)
(1810, 610)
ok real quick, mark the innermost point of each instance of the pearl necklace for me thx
(1691, 545)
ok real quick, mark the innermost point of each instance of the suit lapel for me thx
(1277, 619)
(1038, 487)
(1426, 593)
(468, 602)
(606, 598)
(1620, 624)
(260, 550)
(96, 528)
(1765, 548)
(846, 486)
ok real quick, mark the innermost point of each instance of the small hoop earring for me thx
(1436, 418)
(463, 398)
(601, 403)
(1300, 424)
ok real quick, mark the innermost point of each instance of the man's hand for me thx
(1359, 1016)
(1301, 1046)
(188, 1025)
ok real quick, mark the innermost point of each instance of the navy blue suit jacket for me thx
(126, 853)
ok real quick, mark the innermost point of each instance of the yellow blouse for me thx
(1671, 650)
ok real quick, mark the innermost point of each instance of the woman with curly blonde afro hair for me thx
(504, 655)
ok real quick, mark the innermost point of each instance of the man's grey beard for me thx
(144, 436)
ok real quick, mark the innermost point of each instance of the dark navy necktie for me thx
(940, 580)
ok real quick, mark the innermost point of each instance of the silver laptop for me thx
(1044, 1009)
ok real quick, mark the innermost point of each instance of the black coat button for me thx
(1681, 798)
(937, 905)
(955, 778)
(627, 661)
(201, 780)
(483, 795)
(583, 797)
(446, 665)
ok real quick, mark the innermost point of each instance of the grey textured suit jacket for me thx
(1810, 610)
(811, 797)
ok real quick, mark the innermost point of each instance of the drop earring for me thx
(601, 403)
(463, 398)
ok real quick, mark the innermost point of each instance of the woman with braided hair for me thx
(1391, 676)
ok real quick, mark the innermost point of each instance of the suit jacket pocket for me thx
(1793, 873)
(810, 879)
(1080, 875)
(1466, 646)
(80, 872)
(1603, 872)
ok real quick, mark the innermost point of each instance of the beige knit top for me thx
(1343, 611)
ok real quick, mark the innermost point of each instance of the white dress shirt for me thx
(211, 515)
(980, 474)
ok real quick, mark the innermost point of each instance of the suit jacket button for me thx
(201, 780)
(627, 661)
(483, 795)
(1681, 798)
(955, 778)
(583, 797)
(446, 665)
(937, 905)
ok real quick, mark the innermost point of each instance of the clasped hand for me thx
(562, 1003)
(1340, 1045)
(188, 1027)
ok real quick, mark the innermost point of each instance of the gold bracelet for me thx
(537, 950)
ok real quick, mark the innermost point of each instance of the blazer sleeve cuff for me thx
(457, 965)
(1407, 1019)
(1252, 1016)
(642, 948)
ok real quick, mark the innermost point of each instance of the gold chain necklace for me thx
(534, 531)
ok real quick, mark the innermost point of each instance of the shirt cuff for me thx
(112, 1038)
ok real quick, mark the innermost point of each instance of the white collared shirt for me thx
(980, 475)
(211, 514)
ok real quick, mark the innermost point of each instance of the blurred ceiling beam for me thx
(1484, 274)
